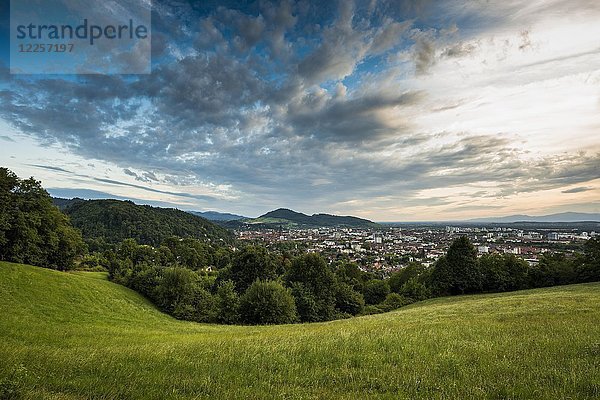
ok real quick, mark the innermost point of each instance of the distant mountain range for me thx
(285, 218)
(217, 216)
(561, 217)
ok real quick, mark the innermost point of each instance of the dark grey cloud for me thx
(579, 189)
(424, 52)
(49, 168)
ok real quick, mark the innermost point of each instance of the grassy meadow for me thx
(79, 336)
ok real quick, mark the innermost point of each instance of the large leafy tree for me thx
(32, 229)
(267, 303)
(318, 281)
(458, 272)
(588, 269)
(250, 264)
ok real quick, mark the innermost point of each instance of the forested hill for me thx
(289, 218)
(112, 221)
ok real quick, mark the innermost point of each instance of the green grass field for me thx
(78, 336)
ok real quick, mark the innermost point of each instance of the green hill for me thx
(116, 220)
(79, 336)
(290, 219)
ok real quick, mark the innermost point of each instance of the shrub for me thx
(312, 272)
(267, 303)
(347, 300)
(306, 304)
(228, 303)
(372, 309)
(394, 301)
(250, 264)
(375, 291)
(414, 290)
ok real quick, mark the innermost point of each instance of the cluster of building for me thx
(391, 248)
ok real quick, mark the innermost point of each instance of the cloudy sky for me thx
(390, 110)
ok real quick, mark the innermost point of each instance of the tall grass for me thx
(78, 336)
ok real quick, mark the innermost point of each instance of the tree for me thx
(394, 301)
(306, 304)
(588, 267)
(176, 288)
(250, 264)
(32, 229)
(399, 278)
(375, 291)
(347, 300)
(228, 303)
(348, 272)
(494, 273)
(553, 269)
(458, 272)
(267, 303)
(312, 272)
(414, 290)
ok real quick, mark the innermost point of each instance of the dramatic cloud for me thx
(386, 109)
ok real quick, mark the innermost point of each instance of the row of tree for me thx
(256, 286)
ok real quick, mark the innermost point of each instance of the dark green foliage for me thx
(588, 268)
(398, 279)
(394, 301)
(306, 304)
(250, 264)
(312, 272)
(192, 253)
(32, 229)
(349, 273)
(375, 291)
(414, 290)
(267, 303)
(228, 303)
(553, 269)
(347, 300)
(113, 221)
(180, 293)
(458, 272)
(145, 279)
(176, 286)
(503, 273)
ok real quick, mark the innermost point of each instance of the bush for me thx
(394, 301)
(398, 279)
(267, 303)
(228, 303)
(312, 272)
(250, 264)
(306, 304)
(414, 290)
(348, 301)
(372, 309)
(375, 291)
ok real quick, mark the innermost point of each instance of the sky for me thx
(405, 110)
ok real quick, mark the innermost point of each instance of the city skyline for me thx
(386, 110)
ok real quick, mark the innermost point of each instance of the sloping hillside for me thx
(78, 336)
(116, 220)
